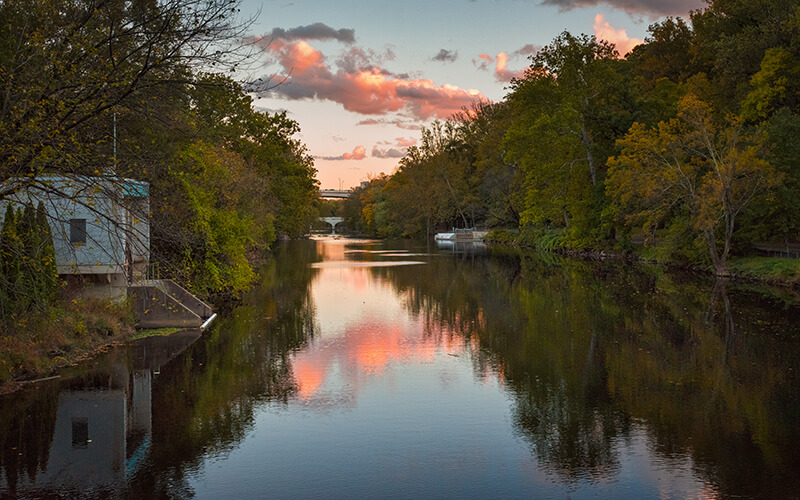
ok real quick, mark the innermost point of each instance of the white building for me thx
(100, 225)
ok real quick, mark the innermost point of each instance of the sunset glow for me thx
(618, 37)
(351, 82)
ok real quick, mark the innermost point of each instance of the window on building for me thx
(77, 230)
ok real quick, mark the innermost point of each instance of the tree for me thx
(775, 86)
(732, 37)
(567, 112)
(666, 53)
(67, 65)
(713, 168)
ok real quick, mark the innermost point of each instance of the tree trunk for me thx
(588, 146)
(719, 261)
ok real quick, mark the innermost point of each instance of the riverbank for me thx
(71, 333)
(767, 270)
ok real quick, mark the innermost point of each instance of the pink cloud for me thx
(618, 37)
(361, 86)
(483, 65)
(403, 142)
(359, 153)
(501, 71)
(300, 57)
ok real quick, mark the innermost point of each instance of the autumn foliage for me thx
(688, 145)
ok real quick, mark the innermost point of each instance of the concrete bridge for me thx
(332, 221)
(333, 193)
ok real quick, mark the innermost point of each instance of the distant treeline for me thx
(690, 142)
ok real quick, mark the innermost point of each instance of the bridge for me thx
(334, 193)
(332, 221)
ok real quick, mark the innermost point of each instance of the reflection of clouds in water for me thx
(378, 251)
(333, 265)
(407, 254)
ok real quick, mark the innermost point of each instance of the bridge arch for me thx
(333, 221)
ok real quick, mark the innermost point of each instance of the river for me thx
(375, 369)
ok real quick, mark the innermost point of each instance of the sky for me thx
(362, 77)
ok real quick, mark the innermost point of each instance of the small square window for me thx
(77, 230)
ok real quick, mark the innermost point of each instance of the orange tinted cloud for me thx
(301, 56)
(501, 71)
(618, 37)
(402, 141)
(359, 153)
(366, 89)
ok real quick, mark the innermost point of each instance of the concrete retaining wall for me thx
(185, 297)
(163, 303)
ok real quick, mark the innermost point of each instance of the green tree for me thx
(67, 65)
(45, 257)
(711, 168)
(775, 86)
(733, 36)
(11, 250)
(567, 112)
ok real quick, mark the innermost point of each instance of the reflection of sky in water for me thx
(328, 265)
(389, 404)
(363, 329)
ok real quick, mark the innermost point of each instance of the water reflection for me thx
(98, 425)
(466, 375)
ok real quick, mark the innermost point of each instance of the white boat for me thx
(470, 234)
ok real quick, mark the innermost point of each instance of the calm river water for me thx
(364, 369)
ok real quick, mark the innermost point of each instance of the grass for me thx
(153, 332)
(767, 268)
(35, 344)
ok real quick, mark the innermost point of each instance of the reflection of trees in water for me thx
(204, 404)
(586, 348)
(570, 434)
(27, 422)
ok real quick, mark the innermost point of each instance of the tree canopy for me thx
(685, 143)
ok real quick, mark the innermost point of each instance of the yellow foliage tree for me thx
(713, 168)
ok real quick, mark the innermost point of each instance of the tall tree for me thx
(67, 65)
(712, 167)
(732, 37)
(568, 110)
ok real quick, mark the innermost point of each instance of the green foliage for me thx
(234, 179)
(769, 268)
(28, 276)
(775, 86)
(155, 332)
(502, 237)
(732, 38)
(708, 170)
(566, 112)
(208, 182)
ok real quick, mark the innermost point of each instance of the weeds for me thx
(46, 340)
